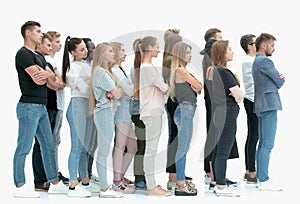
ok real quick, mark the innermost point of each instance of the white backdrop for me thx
(107, 20)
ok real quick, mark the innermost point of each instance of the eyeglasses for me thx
(252, 43)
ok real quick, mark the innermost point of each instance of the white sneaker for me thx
(110, 193)
(268, 186)
(228, 192)
(59, 188)
(207, 179)
(95, 178)
(25, 192)
(79, 192)
(93, 187)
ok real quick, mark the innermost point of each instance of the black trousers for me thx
(252, 136)
(138, 163)
(173, 139)
(226, 134)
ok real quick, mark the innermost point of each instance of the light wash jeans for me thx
(33, 121)
(267, 125)
(80, 122)
(56, 133)
(153, 126)
(183, 118)
(104, 121)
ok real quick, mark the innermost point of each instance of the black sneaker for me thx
(188, 178)
(44, 187)
(231, 183)
(212, 186)
(62, 178)
(250, 180)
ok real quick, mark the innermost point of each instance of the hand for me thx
(282, 76)
(41, 74)
(198, 91)
(109, 95)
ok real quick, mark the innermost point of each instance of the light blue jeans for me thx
(33, 121)
(56, 133)
(267, 125)
(183, 118)
(104, 121)
(80, 122)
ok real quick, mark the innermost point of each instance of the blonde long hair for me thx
(98, 61)
(178, 60)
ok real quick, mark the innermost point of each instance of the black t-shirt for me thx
(31, 92)
(223, 79)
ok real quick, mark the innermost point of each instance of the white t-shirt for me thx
(60, 94)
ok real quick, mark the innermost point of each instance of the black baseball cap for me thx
(208, 46)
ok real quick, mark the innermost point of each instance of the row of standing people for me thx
(261, 103)
(107, 92)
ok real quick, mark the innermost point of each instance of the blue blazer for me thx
(266, 84)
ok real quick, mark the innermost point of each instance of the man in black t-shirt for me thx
(34, 75)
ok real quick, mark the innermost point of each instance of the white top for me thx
(151, 100)
(248, 78)
(60, 94)
(124, 82)
(78, 79)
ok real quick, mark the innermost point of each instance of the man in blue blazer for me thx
(267, 81)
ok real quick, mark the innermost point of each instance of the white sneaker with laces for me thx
(79, 192)
(93, 187)
(25, 192)
(110, 193)
(228, 192)
(59, 188)
(268, 186)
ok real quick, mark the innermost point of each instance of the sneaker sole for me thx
(110, 196)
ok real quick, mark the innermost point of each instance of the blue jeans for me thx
(33, 121)
(56, 133)
(183, 118)
(104, 121)
(267, 125)
(80, 122)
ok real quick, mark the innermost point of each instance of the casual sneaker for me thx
(207, 179)
(158, 191)
(268, 186)
(171, 185)
(44, 187)
(62, 178)
(94, 178)
(231, 183)
(228, 192)
(250, 180)
(59, 188)
(25, 192)
(140, 185)
(188, 178)
(92, 187)
(79, 192)
(110, 193)
(212, 186)
(123, 188)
